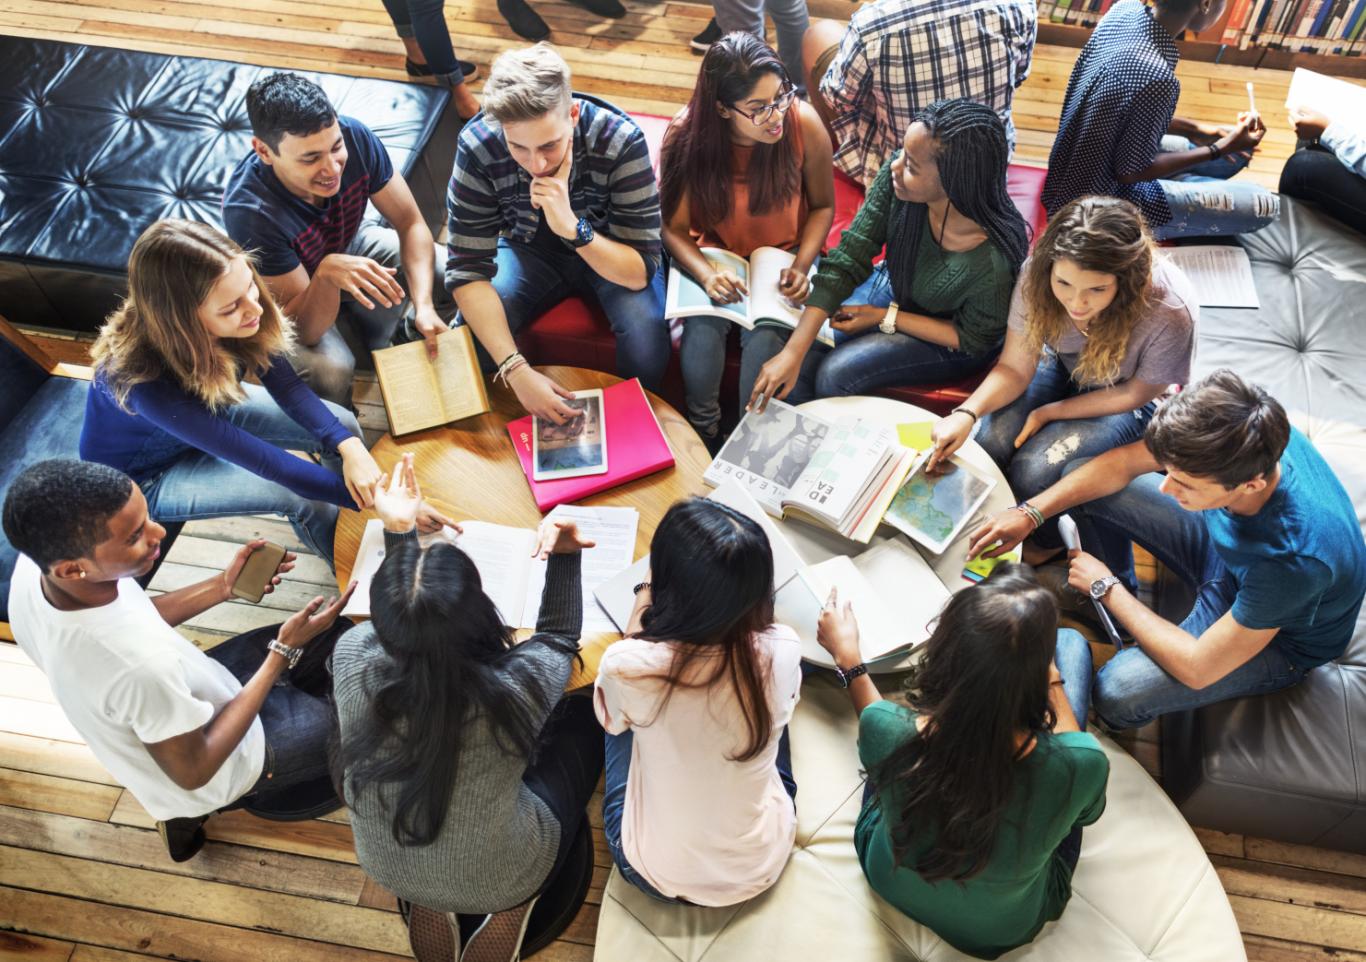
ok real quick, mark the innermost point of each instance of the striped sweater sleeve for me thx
(633, 216)
(473, 217)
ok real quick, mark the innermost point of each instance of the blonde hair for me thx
(157, 331)
(526, 84)
(1108, 236)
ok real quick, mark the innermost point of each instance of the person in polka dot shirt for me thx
(1118, 134)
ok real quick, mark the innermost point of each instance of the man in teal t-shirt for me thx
(1268, 538)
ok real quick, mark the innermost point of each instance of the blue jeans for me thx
(200, 485)
(297, 720)
(329, 366)
(618, 769)
(1131, 690)
(871, 360)
(702, 355)
(1203, 202)
(530, 281)
(425, 22)
(1039, 462)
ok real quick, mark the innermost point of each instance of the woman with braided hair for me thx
(935, 309)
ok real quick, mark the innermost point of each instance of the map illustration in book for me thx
(933, 508)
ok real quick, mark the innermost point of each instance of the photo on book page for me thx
(575, 448)
(933, 508)
(767, 452)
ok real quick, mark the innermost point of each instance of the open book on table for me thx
(840, 474)
(421, 393)
(685, 297)
(510, 576)
(894, 592)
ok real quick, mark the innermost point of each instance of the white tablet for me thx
(575, 448)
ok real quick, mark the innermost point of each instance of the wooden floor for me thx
(82, 875)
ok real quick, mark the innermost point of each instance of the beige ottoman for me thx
(1143, 889)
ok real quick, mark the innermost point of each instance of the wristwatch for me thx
(583, 234)
(846, 677)
(1100, 587)
(888, 323)
(290, 655)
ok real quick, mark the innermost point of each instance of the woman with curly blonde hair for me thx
(169, 406)
(1100, 324)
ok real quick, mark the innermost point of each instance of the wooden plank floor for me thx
(83, 877)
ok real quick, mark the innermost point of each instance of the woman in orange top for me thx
(745, 165)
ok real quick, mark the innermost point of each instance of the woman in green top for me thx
(936, 308)
(977, 793)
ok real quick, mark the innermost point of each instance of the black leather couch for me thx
(1289, 766)
(97, 143)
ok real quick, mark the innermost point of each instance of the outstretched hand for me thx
(559, 537)
(837, 630)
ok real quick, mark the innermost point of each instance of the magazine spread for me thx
(840, 474)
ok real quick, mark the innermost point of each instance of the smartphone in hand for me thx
(256, 573)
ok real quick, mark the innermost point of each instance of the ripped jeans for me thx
(1204, 202)
(1040, 461)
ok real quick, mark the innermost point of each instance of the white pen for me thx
(1251, 100)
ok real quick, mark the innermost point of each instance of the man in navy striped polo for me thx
(553, 195)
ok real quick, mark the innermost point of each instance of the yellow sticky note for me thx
(978, 569)
(915, 436)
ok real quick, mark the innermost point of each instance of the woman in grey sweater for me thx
(466, 770)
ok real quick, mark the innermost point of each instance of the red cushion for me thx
(573, 333)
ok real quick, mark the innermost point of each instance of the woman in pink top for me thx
(699, 803)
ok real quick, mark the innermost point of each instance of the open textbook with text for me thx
(421, 392)
(841, 474)
(685, 297)
(511, 577)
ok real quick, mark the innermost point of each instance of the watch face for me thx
(1098, 588)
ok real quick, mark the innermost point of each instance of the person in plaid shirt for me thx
(554, 195)
(899, 56)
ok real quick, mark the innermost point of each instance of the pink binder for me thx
(635, 447)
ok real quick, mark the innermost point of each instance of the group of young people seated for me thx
(467, 767)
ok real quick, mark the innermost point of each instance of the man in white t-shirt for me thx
(187, 733)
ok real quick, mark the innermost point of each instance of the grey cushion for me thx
(1292, 765)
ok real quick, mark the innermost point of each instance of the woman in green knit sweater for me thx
(935, 309)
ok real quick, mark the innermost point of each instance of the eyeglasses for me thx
(786, 94)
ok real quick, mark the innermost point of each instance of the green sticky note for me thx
(979, 568)
(916, 436)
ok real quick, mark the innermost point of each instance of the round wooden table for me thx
(470, 470)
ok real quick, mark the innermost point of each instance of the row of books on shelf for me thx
(1312, 26)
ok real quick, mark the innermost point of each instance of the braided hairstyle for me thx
(972, 154)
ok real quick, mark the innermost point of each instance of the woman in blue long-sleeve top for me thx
(169, 407)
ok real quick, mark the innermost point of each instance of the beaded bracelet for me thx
(510, 363)
(1033, 513)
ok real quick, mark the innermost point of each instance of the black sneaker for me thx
(468, 69)
(703, 41)
(612, 9)
(183, 837)
(524, 21)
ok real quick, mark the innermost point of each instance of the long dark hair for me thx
(972, 155)
(982, 681)
(695, 159)
(711, 570)
(449, 663)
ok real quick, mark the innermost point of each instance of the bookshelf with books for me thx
(1328, 36)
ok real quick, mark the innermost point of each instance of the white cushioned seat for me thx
(1143, 890)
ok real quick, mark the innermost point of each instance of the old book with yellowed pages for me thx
(422, 392)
